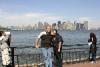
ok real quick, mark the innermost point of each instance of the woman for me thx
(4, 50)
(57, 42)
(92, 40)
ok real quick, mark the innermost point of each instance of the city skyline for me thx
(17, 12)
(66, 25)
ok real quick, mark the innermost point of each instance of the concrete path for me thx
(97, 64)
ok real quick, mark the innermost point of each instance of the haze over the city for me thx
(17, 12)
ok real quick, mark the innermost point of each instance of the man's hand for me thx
(58, 50)
(37, 46)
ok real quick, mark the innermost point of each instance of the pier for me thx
(73, 56)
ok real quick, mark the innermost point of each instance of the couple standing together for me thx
(50, 38)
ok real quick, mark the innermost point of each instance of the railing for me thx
(25, 56)
(30, 56)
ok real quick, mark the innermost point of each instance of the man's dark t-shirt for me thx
(46, 40)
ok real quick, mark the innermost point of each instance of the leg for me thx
(50, 56)
(5, 57)
(90, 57)
(44, 51)
(54, 60)
(94, 57)
(59, 60)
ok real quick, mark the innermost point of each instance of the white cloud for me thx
(30, 18)
(84, 18)
(38, 16)
(26, 18)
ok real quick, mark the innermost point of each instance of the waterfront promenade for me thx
(29, 56)
(85, 64)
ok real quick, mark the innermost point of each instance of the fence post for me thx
(12, 55)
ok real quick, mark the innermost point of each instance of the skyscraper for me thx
(86, 25)
(54, 26)
(40, 25)
(45, 24)
(59, 25)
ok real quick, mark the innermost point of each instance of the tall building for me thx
(77, 26)
(81, 25)
(59, 25)
(70, 25)
(35, 26)
(40, 25)
(45, 24)
(86, 25)
(54, 26)
(64, 25)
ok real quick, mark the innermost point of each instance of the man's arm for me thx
(60, 43)
(59, 46)
(37, 44)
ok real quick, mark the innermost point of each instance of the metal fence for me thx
(29, 56)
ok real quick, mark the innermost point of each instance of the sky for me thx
(18, 12)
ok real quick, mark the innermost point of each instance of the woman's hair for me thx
(1, 32)
(55, 30)
(92, 35)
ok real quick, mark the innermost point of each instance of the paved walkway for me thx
(83, 65)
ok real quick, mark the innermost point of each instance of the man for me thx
(57, 42)
(46, 39)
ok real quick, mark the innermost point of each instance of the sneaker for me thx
(93, 62)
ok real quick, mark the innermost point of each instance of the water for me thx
(27, 38)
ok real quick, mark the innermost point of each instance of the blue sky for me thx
(16, 12)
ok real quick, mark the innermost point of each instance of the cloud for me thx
(4, 15)
(26, 18)
(84, 18)
(8, 19)
(38, 16)
(20, 6)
